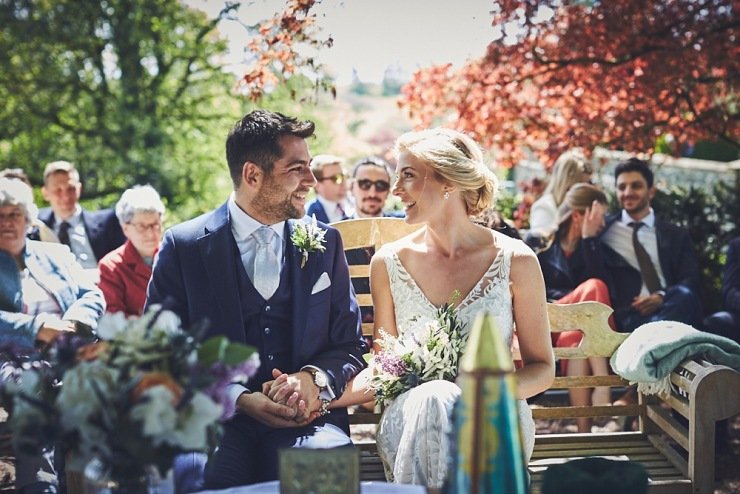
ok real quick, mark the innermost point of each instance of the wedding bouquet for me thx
(430, 350)
(143, 392)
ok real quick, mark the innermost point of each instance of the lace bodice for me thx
(491, 294)
(413, 435)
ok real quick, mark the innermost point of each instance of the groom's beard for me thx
(275, 204)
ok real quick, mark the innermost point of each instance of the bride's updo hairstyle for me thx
(456, 159)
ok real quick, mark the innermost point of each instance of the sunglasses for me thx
(337, 179)
(380, 185)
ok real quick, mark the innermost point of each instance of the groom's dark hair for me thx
(255, 138)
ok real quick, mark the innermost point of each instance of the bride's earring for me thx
(446, 194)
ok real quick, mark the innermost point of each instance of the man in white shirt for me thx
(90, 235)
(244, 268)
(331, 189)
(650, 265)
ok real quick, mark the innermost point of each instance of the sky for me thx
(371, 35)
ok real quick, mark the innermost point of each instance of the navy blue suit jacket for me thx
(316, 209)
(677, 261)
(196, 274)
(102, 227)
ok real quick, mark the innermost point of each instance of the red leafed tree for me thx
(275, 49)
(616, 73)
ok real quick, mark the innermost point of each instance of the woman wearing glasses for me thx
(125, 272)
(371, 184)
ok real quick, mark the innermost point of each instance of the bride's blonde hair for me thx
(456, 159)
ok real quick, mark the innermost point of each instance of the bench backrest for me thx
(361, 238)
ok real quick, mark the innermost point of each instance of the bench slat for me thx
(587, 382)
(587, 411)
(669, 425)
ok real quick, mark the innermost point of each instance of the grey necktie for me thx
(647, 269)
(266, 263)
(64, 233)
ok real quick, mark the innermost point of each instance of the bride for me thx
(443, 181)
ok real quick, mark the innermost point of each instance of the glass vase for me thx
(100, 478)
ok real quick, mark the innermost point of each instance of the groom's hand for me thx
(290, 388)
(260, 407)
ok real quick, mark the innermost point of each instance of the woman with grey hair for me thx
(125, 272)
(43, 293)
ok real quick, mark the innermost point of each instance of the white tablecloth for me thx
(365, 488)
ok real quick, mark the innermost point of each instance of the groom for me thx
(238, 268)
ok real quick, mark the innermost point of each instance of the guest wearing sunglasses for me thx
(371, 184)
(331, 202)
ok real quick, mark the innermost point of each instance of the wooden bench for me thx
(679, 458)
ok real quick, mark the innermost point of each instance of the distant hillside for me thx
(362, 124)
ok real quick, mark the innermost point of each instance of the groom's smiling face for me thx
(283, 190)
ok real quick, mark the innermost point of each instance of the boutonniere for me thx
(308, 237)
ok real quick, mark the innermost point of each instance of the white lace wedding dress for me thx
(412, 437)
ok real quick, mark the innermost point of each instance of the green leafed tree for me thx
(129, 90)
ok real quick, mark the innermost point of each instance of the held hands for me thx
(283, 401)
(263, 409)
(593, 220)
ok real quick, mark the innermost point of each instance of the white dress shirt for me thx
(619, 238)
(79, 244)
(242, 227)
(331, 209)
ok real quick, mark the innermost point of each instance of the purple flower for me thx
(225, 375)
(391, 364)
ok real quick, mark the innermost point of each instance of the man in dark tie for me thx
(243, 269)
(649, 265)
(89, 234)
(331, 202)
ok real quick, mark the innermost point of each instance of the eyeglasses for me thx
(145, 227)
(380, 185)
(13, 216)
(339, 178)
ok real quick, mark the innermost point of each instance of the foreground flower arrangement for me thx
(145, 391)
(428, 351)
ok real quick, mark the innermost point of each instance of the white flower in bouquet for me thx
(193, 430)
(428, 351)
(144, 392)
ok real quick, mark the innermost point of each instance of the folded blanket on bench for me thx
(653, 350)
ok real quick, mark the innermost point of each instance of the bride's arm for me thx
(532, 326)
(358, 389)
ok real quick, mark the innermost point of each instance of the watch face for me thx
(320, 379)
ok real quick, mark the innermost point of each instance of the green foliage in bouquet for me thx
(143, 392)
(429, 350)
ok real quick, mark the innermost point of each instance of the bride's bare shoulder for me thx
(398, 247)
(517, 247)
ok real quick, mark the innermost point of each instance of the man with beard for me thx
(371, 184)
(243, 269)
(649, 265)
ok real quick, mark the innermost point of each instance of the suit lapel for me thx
(217, 251)
(301, 285)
